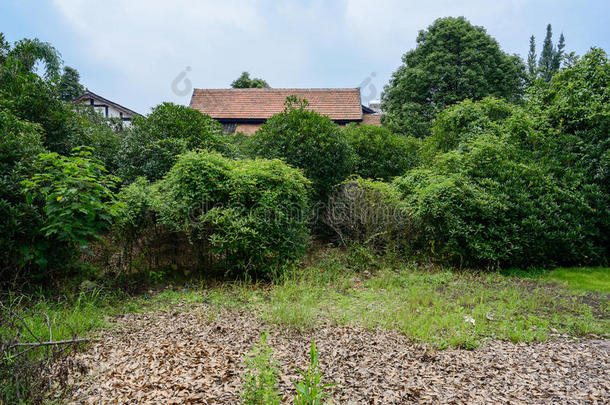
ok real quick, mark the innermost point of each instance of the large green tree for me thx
(245, 82)
(28, 52)
(453, 61)
(152, 145)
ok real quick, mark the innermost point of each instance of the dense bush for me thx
(50, 202)
(482, 206)
(20, 144)
(368, 212)
(493, 184)
(380, 154)
(250, 215)
(467, 120)
(152, 144)
(576, 108)
(307, 140)
(64, 126)
(91, 129)
(575, 111)
(137, 208)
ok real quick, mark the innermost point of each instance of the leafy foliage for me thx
(504, 187)
(77, 198)
(92, 129)
(32, 99)
(153, 143)
(576, 107)
(453, 61)
(307, 140)
(467, 120)
(485, 198)
(575, 112)
(29, 51)
(245, 82)
(380, 154)
(137, 211)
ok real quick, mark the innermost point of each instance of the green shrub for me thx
(467, 120)
(251, 214)
(32, 99)
(152, 144)
(307, 140)
(481, 206)
(380, 154)
(137, 208)
(91, 129)
(368, 212)
(140, 246)
(32, 121)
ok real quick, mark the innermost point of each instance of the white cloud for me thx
(395, 23)
(145, 44)
(142, 37)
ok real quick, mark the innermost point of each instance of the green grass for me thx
(592, 279)
(355, 288)
(440, 308)
(582, 278)
(436, 307)
(68, 316)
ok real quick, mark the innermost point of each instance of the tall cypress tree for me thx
(4, 48)
(547, 57)
(531, 59)
(559, 53)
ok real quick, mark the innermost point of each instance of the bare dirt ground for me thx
(197, 357)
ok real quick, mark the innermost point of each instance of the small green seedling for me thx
(310, 390)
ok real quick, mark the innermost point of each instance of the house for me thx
(107, 108)
(245, 110)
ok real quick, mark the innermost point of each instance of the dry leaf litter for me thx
(196, 357)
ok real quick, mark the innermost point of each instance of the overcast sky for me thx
(132, 51)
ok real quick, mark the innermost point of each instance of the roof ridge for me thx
(281, 88)
(116, 105)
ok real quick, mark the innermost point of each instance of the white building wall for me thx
(100, 107)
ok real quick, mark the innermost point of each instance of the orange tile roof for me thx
(260, 104)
